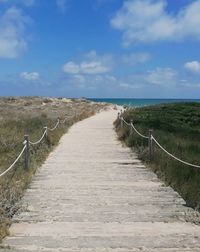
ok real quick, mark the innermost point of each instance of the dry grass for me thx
(20, 116)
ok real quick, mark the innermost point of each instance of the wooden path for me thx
(92, 194)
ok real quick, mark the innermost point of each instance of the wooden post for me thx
(118, 115)
(122, 124)
(150, 144)
(131, 130)
(26, 158)
(121, 118)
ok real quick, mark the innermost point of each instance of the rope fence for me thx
(152, 139)
(40, 140)
(55, 127)
(26, 147)
(13, 164)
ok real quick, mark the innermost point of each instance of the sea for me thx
(140, 102)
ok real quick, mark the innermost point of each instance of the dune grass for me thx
(177, 128)
(13, 127)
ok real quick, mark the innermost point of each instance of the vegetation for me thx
(28, 116)
(177, 128)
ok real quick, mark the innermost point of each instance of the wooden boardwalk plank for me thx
(92, 194)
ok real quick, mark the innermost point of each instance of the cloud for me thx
(148, 21)
(193, 66)
(32, 76)
(93, 67)
(71, 67)
(85, 67)
(136, 58)
(158, 77)
(162, 76)
(90, 64)
(12, 33)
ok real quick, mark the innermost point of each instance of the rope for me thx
(45, 132)
(139, 132)
(32, 143)
(159, 145)
(64, 121)
(40, 140)
(178, 159)
(58, 122)
(6, 171)
(130, 124)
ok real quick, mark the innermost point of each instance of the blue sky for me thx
(100, 48)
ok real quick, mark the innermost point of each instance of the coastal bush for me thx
(177, 128)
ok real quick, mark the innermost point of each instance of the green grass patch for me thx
(177, 128)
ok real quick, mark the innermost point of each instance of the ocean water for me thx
(141, 102)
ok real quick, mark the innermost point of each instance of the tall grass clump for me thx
(177, 128)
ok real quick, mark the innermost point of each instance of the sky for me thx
(100, 48)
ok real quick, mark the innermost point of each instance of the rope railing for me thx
(140, 134)
(13, 164)
(171, 155)
(27, 143)
(133, 127)
(55, 127)
(40, 140)
(128, 124)
(64, 121)
(152, 139)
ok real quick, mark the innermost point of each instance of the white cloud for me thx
(193, 66)
(148, 21)
(12, 33)
(85, 67)
(90, 64)
(162, 76)
(71, 67)
(136, 58)
(93, 67)
(32, 76)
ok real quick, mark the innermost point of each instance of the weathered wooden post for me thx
(150, 144)
(26, 158)
(122, 124)
(131, 130)
(118, 115)
(121, 118)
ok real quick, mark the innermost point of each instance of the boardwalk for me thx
(92, 194)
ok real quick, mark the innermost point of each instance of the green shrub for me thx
(177, 128)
